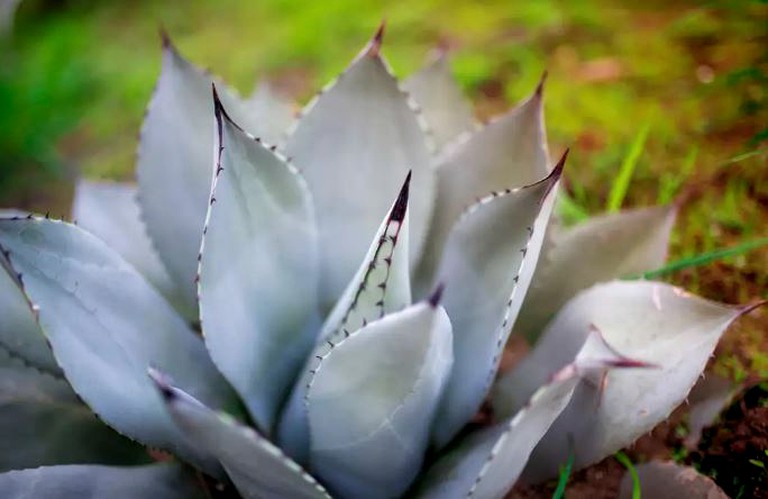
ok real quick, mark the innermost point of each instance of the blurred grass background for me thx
(675, 90)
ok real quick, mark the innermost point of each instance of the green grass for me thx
(627, 463)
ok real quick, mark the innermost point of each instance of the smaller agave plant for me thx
(326, 317)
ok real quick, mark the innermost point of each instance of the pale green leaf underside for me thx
(601, 249)
(158, 481)
(355, 143)
(508, 153)
(258, 271)
(20, 335)
(441, 101)
(487, 266)
(372, 400)
(257, 467)
(271, 115)
(649, 321)
(106, 325)
(110, 211)
(42, 422)
(380, 286)
(175, 164)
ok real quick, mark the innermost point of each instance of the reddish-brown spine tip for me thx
(165, 39)
(436, 296)
(752, 307)
(540, 86)
(374, 46)
(401, 204)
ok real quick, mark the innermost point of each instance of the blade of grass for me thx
(565, 473)
(702, 259)
(621, 183)
(627, 463)
(672, 181)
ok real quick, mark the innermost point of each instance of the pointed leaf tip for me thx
(162, 383)
(746, 309)
(437, 295)
(401, 204)
(540, 86)
(165, 39)
(374, 46)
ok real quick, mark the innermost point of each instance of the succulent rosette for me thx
(323, 311)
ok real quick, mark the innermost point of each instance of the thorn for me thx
(374, 46)
(165, 39)
(540, 86)
(436, 296)
(401, 204)
(752, 307)
(47, 215)
(162, 384)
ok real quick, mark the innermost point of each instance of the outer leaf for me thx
(488, 263)
(666, 480)
(174, 167)
(602, 249)
(158, 481)
(258, 271)
(110, 211)
(509, 152)
(256, 466)
(488, 462)
(354, 144)
(448, 113)
(380, 286)
(707, 399)
(42, 422)
(652, 321)
(106, 325)
(372, 400)
(270, 112)
(20, 336)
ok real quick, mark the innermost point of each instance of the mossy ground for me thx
(75, 78)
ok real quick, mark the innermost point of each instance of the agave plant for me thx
(326, 316)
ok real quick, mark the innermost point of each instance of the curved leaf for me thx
(20, 335)
(380, 286)
(256, 466)
(601, 249)
(509, 152)
(106, 325)
(354, 144)
(487, 267)
(652, 321)
(258, 271)
(488, 462)
(446, 110)
(270, 111)
(667, 480)
(110, 211)
(42, 422)
(158, 481)
(175, 165)
(372, 399)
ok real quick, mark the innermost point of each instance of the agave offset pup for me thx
(355, 286)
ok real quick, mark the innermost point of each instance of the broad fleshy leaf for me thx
(106, 325)
(667, 480)
(441, 101)
(488, 462)
(708, 398)
(20, 335)
(380, 286)
(355, 143)
(372, 399)
(175, 168)
(507, 153)
(110, 211)
(487, 266)
(256, 466)
(42, 422)
(651, 321)
(601, 249)
(158, 481)
(258, 271)
(270, 111)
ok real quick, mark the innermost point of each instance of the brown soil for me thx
(735, 451)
